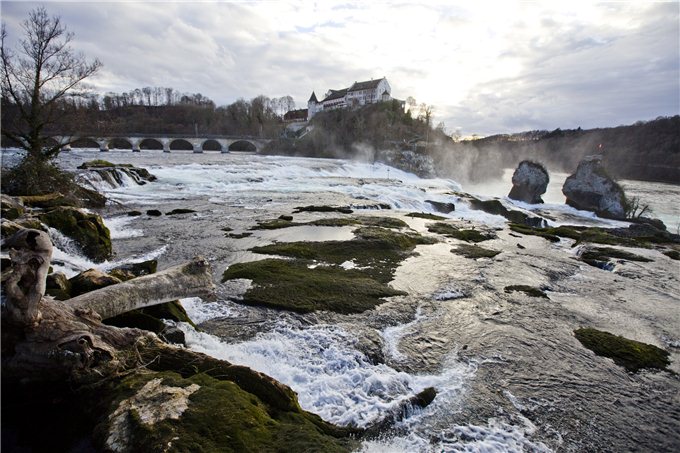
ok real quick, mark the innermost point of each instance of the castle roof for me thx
(367, 85)
(336, 94)
(313, 98)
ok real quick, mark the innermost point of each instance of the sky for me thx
(486, 67)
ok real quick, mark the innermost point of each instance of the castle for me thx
(358, 94)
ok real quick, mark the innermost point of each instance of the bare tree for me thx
(37, 77)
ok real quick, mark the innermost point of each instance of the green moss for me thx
(630, 354)
(292, 285)
(274, 224)
(474, 251)
(383, 222)
(222, 417)
(97, 163)
(170, 310)
(582, 234)
(333, 222)
(672, 254)
(86, 229)
(526, 289)
(425, 215)
(457, 233)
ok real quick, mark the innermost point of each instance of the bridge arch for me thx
(120, 143)
(151, 143)
(85, 142)
(181, 144)
(242, 145)
(211, 145)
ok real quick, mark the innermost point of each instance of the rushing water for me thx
(508, 372)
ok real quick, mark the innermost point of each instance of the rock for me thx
(287, 218)
(173, 335)
(90, 280)
(591, 189)
(630, 354)
(514, 216)
(115, 175)
(8, 227)
(85, 228)
(439, 206)
(180, 211)
(58, 286)
(419, 164)
(154, 213)
(134, 213)
(11, 208)
(529, 182)
(133, 270)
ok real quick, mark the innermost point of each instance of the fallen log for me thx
(192, 279)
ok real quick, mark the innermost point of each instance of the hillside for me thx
(645, 150)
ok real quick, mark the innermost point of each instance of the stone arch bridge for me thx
(222, 143)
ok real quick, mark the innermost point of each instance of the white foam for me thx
(118, 228)
(331, 377)
(200, 311)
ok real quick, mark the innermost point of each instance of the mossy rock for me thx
(474, 251)
(218, 416)
(58, 286)
(496, 207)
(91, 280)
(630, 354)
(425, 215)
(238, 235)
(600, 257)
(292, 285)
(672, 254)
(582, 234)
(86, 229)
(180, 211)
(138, 320)
(133, 270)
(96, 163)
(11, 208)
(323, 208)
(469, 235)
(274, 224)
(47, 201)
(526, 289)
(378, 251)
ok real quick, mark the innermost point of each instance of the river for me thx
(509, 373)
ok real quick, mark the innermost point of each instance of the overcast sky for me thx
(486, 67)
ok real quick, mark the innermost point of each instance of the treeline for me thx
(153, 110)
(646, 150)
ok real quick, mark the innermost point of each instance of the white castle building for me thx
(360, 93)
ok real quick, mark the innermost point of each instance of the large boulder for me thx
(91, 280)
(529, 182)
(591, 189)
(85, 228)
(114, 175)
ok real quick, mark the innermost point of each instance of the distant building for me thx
(360, 93)
(293, 116)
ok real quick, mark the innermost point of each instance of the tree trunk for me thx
(192, 279)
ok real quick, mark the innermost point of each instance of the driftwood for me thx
(46, 339)
(192, 279)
